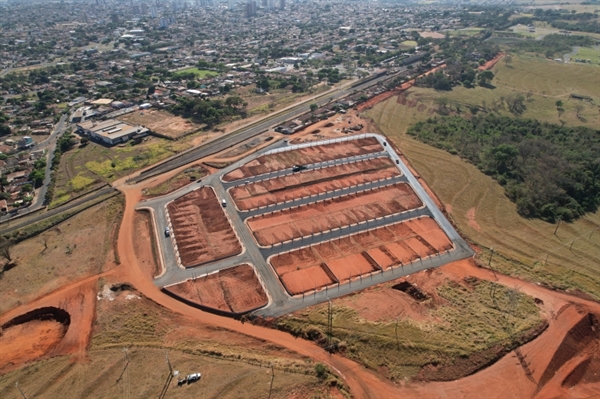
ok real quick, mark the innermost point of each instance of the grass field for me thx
(477, 204)
(179, 180)
(75, 248)
(457, 321)
(543, 81)
(200, 73)
(100, 377)
(588, 53)
(83, 168)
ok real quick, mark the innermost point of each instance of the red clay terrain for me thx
(60, 323)
(337, 261)
(302, 221)
(235, 290)
(516, 375)
(32, 335)
(310, 182)
(308, 155)
(201, 229)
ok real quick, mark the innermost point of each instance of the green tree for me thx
(313, 107)
(485, 77)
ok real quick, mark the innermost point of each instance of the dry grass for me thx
(460, 320)
(78, 247)
(162, 122)
(477, 204)
(146, 375)
(179, 180)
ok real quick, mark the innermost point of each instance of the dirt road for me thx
(561, 310)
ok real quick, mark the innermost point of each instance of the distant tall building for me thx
(153, 12)
(231, 4)
(282, 4)
(250, 8)
(135, 9)
(164, 22)
(114, 18)
(83, 18)
(144, 8)
(264, 3)
(272, 4)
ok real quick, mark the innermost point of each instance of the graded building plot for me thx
(310, 182)
(302, 156)
(269, 229)
(300, 271)
(201, 228)
(337, 261)
(233, 290)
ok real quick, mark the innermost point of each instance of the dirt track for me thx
(506, 378)
(287, 159)
(313, 181)
(305, 220)
(201, 229)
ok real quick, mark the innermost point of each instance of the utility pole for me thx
(272, 378)
(22, 394)
(557, 225)
(329, 326)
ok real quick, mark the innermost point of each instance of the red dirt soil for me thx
(503, 379)
(28, 341)
(490, 64)
(313, 181)
(358, 254)
(325, 215)
(201, 228)
(397, 90)
(302, 156)
(235, 290)
(78, 300)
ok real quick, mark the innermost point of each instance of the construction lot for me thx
(299, 224)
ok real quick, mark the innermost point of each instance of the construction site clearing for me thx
(305, 220)
(201, 231)
(304, 155)
(338, 261)
(236, 290)
(313, 181)
(307, 217)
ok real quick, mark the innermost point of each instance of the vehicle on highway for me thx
(224, 203)
(298, 168)
(167, 232)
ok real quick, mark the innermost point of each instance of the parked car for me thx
(193, 377)
(298, 168)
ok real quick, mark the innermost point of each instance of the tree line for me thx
(550, 171)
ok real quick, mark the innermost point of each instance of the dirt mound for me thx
(31, 335)
(579, 338)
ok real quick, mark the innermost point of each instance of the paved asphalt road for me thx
(63, 208)
(280, 302)
(48, 144)
(246, 133)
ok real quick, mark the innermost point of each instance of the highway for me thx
(255, 129)
(63, 208)
(280, 302)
